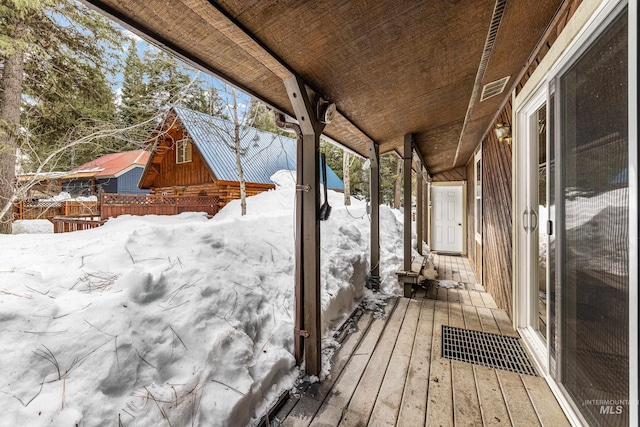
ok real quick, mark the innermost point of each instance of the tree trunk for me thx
(397, 186)
(10, 99)
(346, 178)
(236, 123)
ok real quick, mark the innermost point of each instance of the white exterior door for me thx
(447, 218)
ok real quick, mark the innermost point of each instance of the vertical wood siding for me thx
(172, 173)
(495, 262)
(497, 254)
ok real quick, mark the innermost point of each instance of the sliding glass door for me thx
(572, 222)
(592, 130)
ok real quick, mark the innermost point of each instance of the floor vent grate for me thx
(482, 348)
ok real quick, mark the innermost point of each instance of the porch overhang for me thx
(391, 68)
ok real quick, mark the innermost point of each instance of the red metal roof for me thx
(114, 164)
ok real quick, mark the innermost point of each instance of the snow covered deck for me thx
(390, 370)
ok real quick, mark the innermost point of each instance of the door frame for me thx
(526, 261)
(462, 184)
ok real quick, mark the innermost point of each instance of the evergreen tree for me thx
(49, 50)
(358, 176)
(206, 99)
(133, 107)
(390, 173)
(262, 117)
(156, 81)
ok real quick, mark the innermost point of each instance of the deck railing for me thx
(65, 224)
(75, 216)
(48, 209)
(113, 205)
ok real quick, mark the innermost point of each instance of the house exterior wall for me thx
(497, 253)
(127, 183)
(224, 190)
(79, 187)
(107, 185)
(182, 174)
(493, 259)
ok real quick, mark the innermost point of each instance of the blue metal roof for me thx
(262, 153)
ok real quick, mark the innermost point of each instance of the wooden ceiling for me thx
(391, 67)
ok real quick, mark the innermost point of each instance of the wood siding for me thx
(556, 26)
(497, 253)
(181, 174)
(495, 262)
(224, 190)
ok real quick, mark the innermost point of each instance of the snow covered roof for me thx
(42, 176)
(263, 153)
(111, 165)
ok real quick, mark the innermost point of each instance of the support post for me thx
(425, 210)
(309, 231)
(419, 208)
(374, 184)
(408, 157)
(299, 254)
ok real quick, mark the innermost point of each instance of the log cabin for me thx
(193, 154)
(518, 120)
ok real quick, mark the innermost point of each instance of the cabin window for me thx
(183, 151)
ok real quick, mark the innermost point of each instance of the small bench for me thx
(411, 277)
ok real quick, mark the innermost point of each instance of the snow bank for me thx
(32, 226)
(170, 318)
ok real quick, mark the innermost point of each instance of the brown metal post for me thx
(408, 156)
(298, 339)
(298, 325)
(309, 188)
(425, 209)
(419, 210)
(374, 184)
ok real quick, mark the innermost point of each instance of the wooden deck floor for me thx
(389, 371)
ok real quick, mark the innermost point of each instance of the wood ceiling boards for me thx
(392, 68)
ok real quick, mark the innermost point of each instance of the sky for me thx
(144, 46)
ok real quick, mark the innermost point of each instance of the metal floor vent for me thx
(482, 348)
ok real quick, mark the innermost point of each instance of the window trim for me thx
(477, 195)
(183, 151)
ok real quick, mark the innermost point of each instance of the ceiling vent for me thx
(494, 88)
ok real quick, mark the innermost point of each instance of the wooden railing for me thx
(43, 210)
(75, 216)
(65, 224)
(113, 205)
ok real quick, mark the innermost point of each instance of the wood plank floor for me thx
(389, 371)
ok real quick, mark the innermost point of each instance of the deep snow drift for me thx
(181, 320)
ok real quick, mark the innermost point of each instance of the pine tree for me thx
(262, 117)
(133, 107)
(206, 99)
(388, 179)
(50, 51)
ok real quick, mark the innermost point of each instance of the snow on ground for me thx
(170, 320)
(32, 226)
